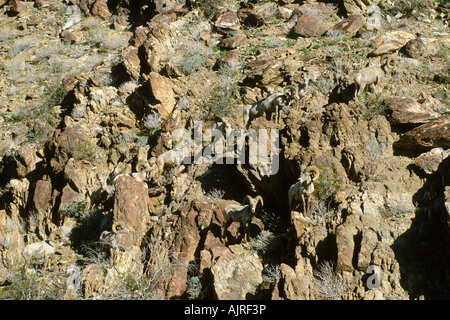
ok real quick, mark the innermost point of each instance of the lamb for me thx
(242, 214)
(43, 250)
(272, 103)
(304, 187)
(114, 237)
(370, 76)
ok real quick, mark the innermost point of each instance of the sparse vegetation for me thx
(327, 283)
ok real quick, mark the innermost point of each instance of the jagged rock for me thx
(294, 286)
(399, 36)
(434, 134)
(369, 240)
(131, 61)
(26, 160)
(100, 9)
(11, 244)
(358, 6)
(345, 245)
(374, 18)
(232, 42)
(185, 245)
(414, 48)
(236, 276)
(430, 161)
(406, 110)
(350, 25)
(309, 26)
(131, 207)
(230, 58)
(42, 195)
(228, 21)
(162, 93)
(250, 18)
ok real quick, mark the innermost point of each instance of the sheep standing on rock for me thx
(303, 188)
(370, 76)
(43, 250)
(273, 103)
(242, 214)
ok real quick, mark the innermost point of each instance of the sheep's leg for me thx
(244, 231)
(224, 230)
(308, 204)
(304, 204)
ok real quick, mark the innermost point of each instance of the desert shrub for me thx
(327, 283)
(20, 45)
(225, 94)
(328, 182)
(190, 64)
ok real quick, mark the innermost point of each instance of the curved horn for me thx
(259, 198)
(315, 170)
(53, 235)
(247, 198)
(291, 89)
(116, 225)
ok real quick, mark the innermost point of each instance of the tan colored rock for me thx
(232, 42)
(369, 241)
(350, 25)
(407, 110)
(434, 134)
(26, 160)
(131, 207)
(414, 48)
(228, 21)
(230, 58)
(42, 195)
(309, 26)
(185, 245)
(430, 161)
(100, 9)
(236, 276)
(345, 247)
(131, 61)
(295, 287)
(162, 93)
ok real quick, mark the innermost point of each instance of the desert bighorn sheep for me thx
(43, 250)
(242, 214)
(304, 187)
(370, 76)
(114, 237)
(272, 103)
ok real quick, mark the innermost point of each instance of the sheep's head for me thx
(291, 92)
(57, 238)
(119, 227)
(253, 202)
(308, 174)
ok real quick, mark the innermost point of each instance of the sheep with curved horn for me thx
(43, 250)
(303, 188)
(114, 237)
(273, 103)
(242, 214)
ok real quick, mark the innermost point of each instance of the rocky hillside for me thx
(92, 92)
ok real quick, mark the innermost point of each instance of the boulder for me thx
(236, 276)
(310, 26)
(345, 246)
(100, 9)
(434, 134)
(429, 161)
(350, 25)
(414, 48)
(42, 195)
(228, 21)
(185, 245)
(131, 61)
(405, 110)
(232, 42)
(369, 240)
(294, 286)
(26, 160)
(162, 93)
(131, 207)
